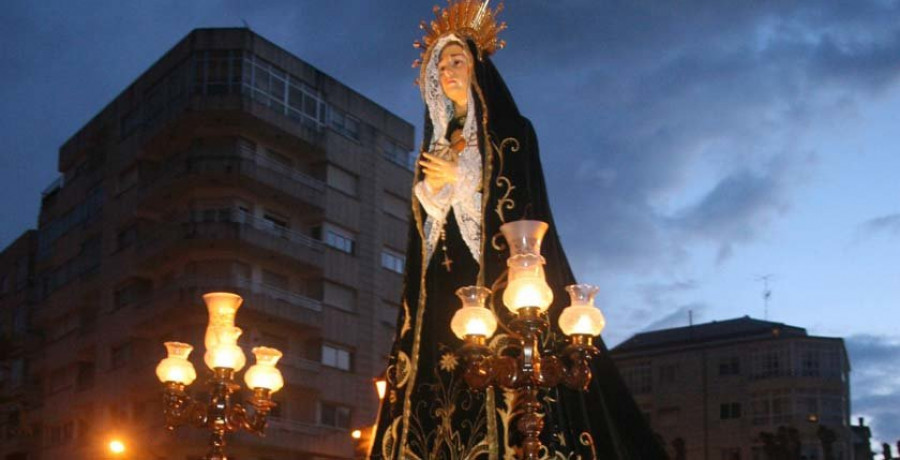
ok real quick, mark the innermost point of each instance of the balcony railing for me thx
(257, 168)
(235, 225)
(260, 297)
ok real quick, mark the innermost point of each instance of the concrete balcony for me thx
(236, 231)
(300, 436)
(299, 371)
(240, 169)
(259, 299)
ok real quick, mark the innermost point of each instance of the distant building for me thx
(711, 389)
(862, 441)
(228, 165)
(16, 338)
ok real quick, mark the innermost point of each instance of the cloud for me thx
(875, 383)
(673, 108)
(887, 224)
(680, 317)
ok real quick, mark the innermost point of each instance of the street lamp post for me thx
(224, 357)
(526, 366)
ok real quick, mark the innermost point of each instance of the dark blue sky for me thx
(690, 147)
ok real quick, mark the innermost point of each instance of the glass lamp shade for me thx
(264, 374)
(176, 367)
(222, 307)
(527, 286)
(582, 317)
(225, 353)
(524, 236)
(473, 319)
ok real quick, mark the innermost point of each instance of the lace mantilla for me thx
(463, 196)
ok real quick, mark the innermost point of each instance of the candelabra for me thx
(219, 414)
(526, 366)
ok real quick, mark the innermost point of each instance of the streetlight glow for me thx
(116, 446)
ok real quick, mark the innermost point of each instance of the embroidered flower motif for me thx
(449, 362)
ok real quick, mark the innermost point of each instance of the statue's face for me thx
(455, 69)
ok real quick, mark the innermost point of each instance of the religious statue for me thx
(479, 169)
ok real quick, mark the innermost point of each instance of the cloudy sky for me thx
(691, 147)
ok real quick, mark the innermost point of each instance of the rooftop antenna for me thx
(766, 294)
(690, 317)
(246, 24)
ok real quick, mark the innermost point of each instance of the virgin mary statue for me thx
(479, 169)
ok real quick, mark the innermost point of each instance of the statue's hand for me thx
(439, 171)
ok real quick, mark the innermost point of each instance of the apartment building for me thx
(16, 338)
(229, 164)
(710, 390)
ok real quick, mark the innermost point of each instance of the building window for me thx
(282, 92)
(341, 180)
(638, 378)
(131, 293)
(59, 380)
(337, 238)
(729, 366)
(85, 377)
(338, 296)
(770, 362)
(395, 206)
(275, 280)
(398, 155)
(392, 260)
(668, 373)
(120, 355)
(336, 357)
(344, 123)
(217, 72)
(729, 411)
(275, 221)
(334, 415)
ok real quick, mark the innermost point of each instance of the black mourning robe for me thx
(428, 412)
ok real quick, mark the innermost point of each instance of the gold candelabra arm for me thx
(578, 354)
(180, 409)
(255, 422)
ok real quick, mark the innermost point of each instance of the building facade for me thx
(17, 337)
(717, 391)
(228, 165)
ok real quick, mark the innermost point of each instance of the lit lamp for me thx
(176, 368)
(582, 320)
(380, 388)
(527, 288)
(525, 365)
(473, 322)
(224, 357)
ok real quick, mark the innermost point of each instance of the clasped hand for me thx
(439, 171)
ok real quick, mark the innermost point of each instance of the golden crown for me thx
(466, 19)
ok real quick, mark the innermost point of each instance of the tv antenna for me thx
(766, 294)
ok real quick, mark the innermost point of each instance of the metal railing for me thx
(240, 161)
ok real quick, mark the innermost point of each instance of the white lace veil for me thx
(440, 107)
